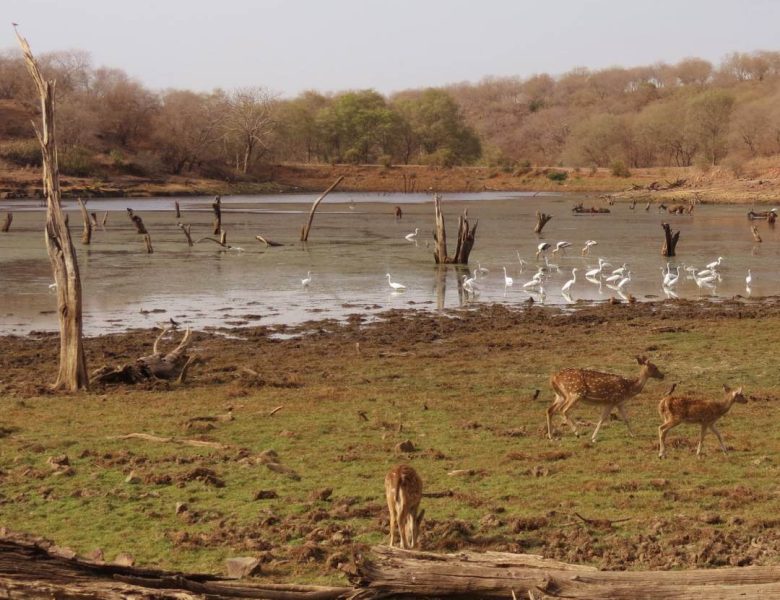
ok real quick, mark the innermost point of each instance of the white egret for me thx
(715, 264)
(535, 281)
(624, 282)
(412, 236)
(507, 280)
(672, 280)
(567, 286)
(481, 270)
(307, 280)
(396, 286)
(748, 279)
(521, 261)
(597, 271)
(53, 286)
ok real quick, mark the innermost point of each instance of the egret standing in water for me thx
(507, 280)
(748, 281)
(567, 286)
(588, 244)
(398, 287)
(413, 236)
(305, 282)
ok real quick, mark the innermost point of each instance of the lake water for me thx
(354, 242)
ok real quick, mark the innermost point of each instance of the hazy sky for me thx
(388, 45)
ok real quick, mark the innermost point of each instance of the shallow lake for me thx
(354, 242)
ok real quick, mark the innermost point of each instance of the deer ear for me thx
(640, 360)
(726, 388)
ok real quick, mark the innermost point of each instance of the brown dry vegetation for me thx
(459, 385)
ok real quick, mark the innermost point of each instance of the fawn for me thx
(686, 409)
(403, 489)
(594, 387)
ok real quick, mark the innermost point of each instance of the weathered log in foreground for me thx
(35, 568)
(393, 573)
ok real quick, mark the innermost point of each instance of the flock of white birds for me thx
(617, 280)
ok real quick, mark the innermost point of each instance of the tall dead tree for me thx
(670, 241)
(141, 229)
(217, 207)
(307, 227)
(541, 221)
(178, 210)
(466, 237)
(72, 373)
(86, 235)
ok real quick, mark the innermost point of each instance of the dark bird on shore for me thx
(174, 324)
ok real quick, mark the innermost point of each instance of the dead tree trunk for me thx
(541, 221)
(756, 235)
(93, 220)
(187, 232)
(9, 217)
(86, 235)
(178, 210)
(670, 242)
(395, 573)
(307, 227)
(157, 365)
(72, 374)
(217, 206)
(466, 237)
(104, 220)
(141, 228)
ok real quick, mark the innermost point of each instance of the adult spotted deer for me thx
(686, 409)
(403, 489)
(594, 387)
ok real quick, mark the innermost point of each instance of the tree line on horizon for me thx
(689, 113)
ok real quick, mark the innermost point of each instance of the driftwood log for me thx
(217, 207)
(670, 240)
(267, 242)
(395, 573)
(466, 237)
(9, 217)
(72, 373)
(307, 227)
(35, 568)
(541, 221)
(171, 366)
(86, 234)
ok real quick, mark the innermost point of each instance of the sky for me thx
(390, 45)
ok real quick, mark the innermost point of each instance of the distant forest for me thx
(690, 113)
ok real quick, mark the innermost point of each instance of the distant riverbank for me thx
(757, 185)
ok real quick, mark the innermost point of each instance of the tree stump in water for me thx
(9, 217)
(141, 228)
(670, 242)
(217, 206)
(86, 236)
(756, 235)
(466, 237)
(541, 221)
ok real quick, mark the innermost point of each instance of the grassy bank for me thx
(460, 389)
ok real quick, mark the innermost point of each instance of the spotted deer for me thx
(594, 387)
(687, 409)
(403, 489)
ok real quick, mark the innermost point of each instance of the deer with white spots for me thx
(607, 390)
(686, 409)
(403, 489)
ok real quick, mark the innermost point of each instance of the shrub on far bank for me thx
(619, 169)
(23, 153)
(78, 162)
(559, 176)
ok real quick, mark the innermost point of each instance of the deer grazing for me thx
(686, 409)
(403, 489)
(594, 387)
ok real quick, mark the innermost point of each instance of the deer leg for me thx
(403, 529)
(393, 518)
(604, 416)
(720, 439)
(663, 429)
(624, 416)
(701, 440)
(551, 411)
(568, 405)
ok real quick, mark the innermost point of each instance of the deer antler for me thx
(182, 347)
(159, 337)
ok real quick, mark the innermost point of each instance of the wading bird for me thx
(588, 244)
(748, 279)
(307, 280)
(561, 247)
(481, 270)
(396, 286)
(541, 248)
(567, 286)
(412, 236)
(507, 280)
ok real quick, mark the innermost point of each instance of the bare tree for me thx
(72, 373)
(249, 124)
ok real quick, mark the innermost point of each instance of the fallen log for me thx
(9, 217)
(35, 568)
(267, 242)
(396, 573)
